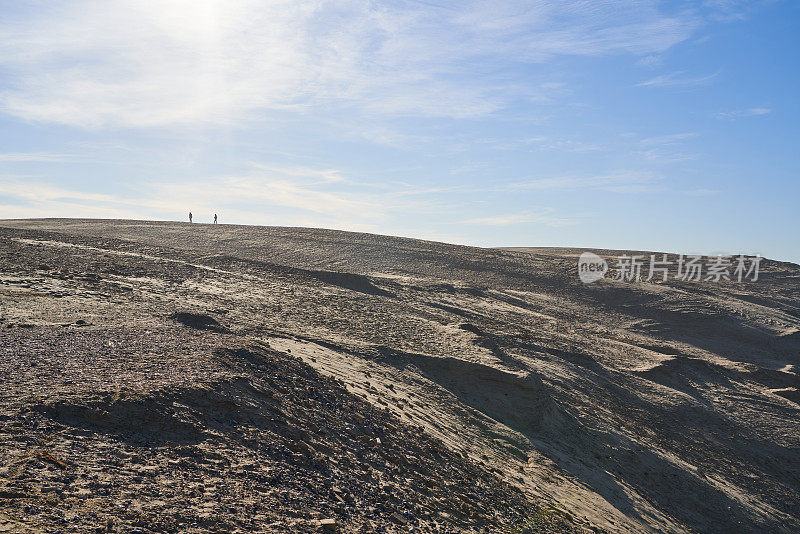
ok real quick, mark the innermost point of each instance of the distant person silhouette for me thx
(190, 216)
(215, 218)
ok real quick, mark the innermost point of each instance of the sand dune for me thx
(416, 384)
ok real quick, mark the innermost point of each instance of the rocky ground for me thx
(193, 378)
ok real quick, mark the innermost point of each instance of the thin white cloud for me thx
(751, 112)
(651, 60)
(561, 144)
(18, 157)
(543, 216)
(703, 192)
(267, 195)
(619, 182)
(31, 189)
(140, 63)
(321, 176)
(678, 79)
(266, 191)
(667, 140)
(659, 155)
(731, 10)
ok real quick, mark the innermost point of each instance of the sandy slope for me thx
(635, 407)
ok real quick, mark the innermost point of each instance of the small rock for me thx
(399, 518)
(328, 525)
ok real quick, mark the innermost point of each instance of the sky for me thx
(631, 124)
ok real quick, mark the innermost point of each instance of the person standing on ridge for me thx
(190, 216)
(215, 218)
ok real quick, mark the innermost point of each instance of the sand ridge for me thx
(628, 407)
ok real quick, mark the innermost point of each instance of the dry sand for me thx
(175, 377)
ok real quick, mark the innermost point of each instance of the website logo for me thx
(591, 267)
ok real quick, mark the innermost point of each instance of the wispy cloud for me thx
(619, 182)
(651, 60)
(730, 10)
(18, 157)
(751, 112)
(139, 64)
(667, 148)
(269, 194)
(28, 196)
(678, 79)
(543, 216)
(703, 192)
(561, 144)
(667, 140)
(541, 142)
(667, 156)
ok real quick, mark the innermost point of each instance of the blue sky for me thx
(632, 124)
